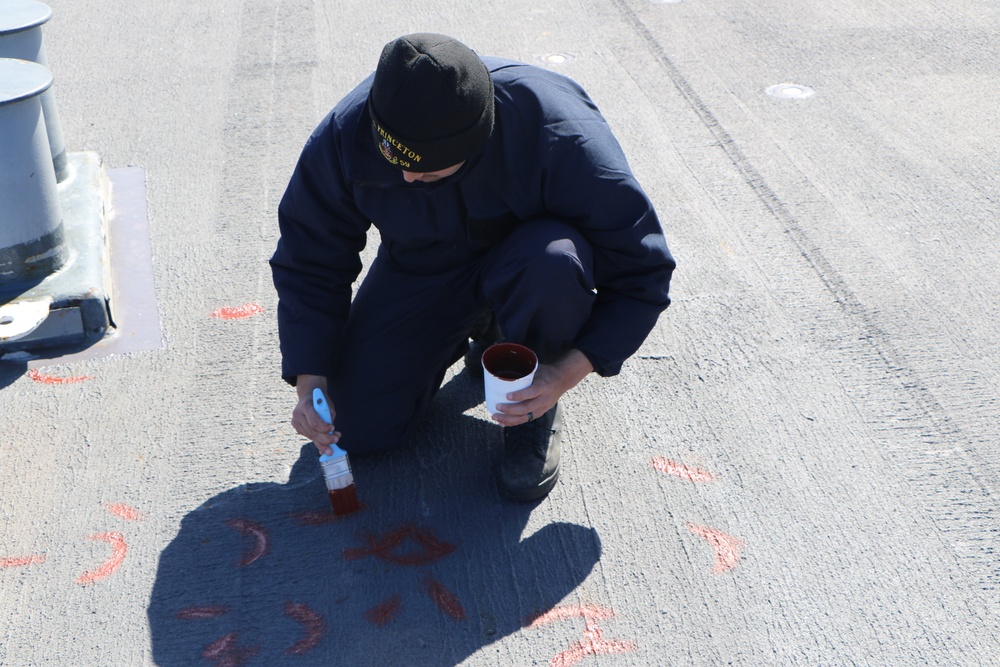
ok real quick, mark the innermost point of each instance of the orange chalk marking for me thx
(253, 529)
(445, 600)
(384, 611)
(314, 624)
(108, 567)
(238, 313)
(22, 561)
(727, 548)
(42, 378)
(679, 470)
(199, 613)
(123, 511)
(593, 642)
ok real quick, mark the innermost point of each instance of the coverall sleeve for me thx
(317, 258)
(588, 182)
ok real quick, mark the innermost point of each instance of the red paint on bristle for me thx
(345, 500)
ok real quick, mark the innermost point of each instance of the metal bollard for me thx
(31, 231)
(21, 38)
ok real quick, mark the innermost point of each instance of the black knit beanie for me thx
(431, 102)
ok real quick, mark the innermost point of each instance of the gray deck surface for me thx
(800, 467)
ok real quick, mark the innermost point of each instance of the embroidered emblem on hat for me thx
(386, 149)
(393, 151)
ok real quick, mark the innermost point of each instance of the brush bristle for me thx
(344, 501)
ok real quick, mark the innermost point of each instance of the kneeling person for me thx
(506, 210)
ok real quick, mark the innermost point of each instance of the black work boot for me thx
(530, 464)
(484, 333)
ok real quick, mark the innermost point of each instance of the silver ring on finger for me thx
(531, 415)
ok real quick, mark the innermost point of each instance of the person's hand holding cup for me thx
(507, 367)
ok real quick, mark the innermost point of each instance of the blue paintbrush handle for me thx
(322, 407)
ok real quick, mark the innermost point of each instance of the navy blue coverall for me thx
(546, 227)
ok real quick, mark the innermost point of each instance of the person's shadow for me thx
(434, 567)
(10, 372)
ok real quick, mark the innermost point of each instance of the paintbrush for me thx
(336, 468)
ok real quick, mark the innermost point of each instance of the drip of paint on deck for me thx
(42, 378)
(238, 312)
(727, 548)
(108, 567)
(253, 529)
(314, 624)
(668, 467)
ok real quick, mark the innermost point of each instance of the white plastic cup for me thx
(507, 367)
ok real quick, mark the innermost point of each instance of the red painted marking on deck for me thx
(42, 378)
(238, 657)
(220, 647)
(238, 313)
(224, 652)
(668, 467)
(727, 548)
(313, 517)
(384, 611)
(123, 511)
(445, 600)
(428, 548)
(198, 613)
(261, 542)
(22, 561)
(593, 642)
(314, 624)
(108, 567)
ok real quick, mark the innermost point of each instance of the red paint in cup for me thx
(509, 361)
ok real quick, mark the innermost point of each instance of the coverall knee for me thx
(405, 330)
